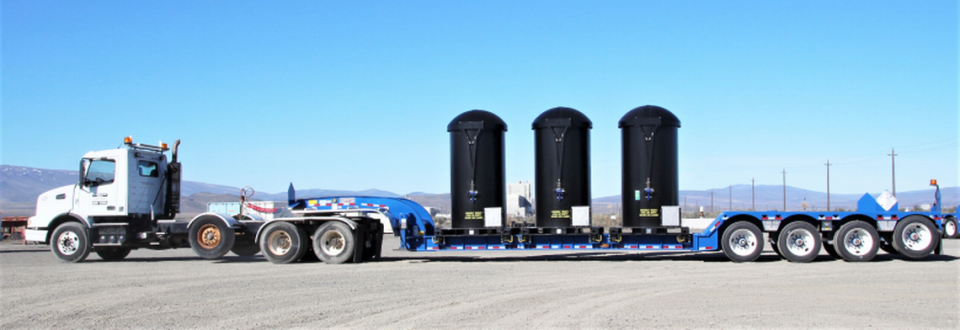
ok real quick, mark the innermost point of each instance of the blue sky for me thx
(357, 95)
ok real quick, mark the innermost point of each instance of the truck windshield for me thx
(101, 171)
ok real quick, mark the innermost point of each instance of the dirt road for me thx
(175, 289)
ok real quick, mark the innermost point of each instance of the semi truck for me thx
(127, 198)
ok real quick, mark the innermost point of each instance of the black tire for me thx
(211, 238)
(742, 242)
(915, 237)
(245, 248)
(334, 243)
(950, 228)
(857, 241)
(113, 254)
(799, 242)
(283, 242)
(832, 251)
(69, 242)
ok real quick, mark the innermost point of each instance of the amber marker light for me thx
(128, 140)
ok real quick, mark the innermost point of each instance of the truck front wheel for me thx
(283, 242)
(211, 238)
(70, 243)
(334, 243)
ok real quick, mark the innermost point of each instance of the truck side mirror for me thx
(83, 172)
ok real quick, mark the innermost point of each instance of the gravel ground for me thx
(176, 289)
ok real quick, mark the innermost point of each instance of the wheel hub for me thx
(209, 236)
(67, 243)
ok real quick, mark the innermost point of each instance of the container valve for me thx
(648, 190)
(559, 191)
(472, 192)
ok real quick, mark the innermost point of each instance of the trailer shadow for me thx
(766, 257)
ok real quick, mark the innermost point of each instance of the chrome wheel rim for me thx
(800, 242)
(857, 242)
(332, 243)
(68, 242)
(279, 243)
(950, 228)
(743, 242)
(916, 237)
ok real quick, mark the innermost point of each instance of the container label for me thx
(473, 215)
(649, 213)
(636, 195)
(560, 214)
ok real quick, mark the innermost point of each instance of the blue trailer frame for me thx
(418, 232)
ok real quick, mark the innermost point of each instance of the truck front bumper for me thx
(35, 235)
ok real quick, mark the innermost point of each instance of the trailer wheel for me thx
(915, 237)
(283, 242)
(857, 241)
(773, 246)
(211, 238)
(70, 243)
(742, 242)
(113, 254)
(334, 243)
(799, 242)
(950, 228)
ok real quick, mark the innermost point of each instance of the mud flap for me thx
(360, 240)
(939, 249)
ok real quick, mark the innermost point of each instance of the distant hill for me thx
(20, 186)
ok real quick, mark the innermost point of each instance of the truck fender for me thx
(56, 222)
(227, 219)
(352, 224)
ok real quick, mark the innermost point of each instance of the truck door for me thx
(97, 193)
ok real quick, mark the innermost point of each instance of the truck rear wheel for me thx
(857, 241)
(113, 254)
(283, 242)
(334, 243)
(799, 242)
(950, 228)
(211, 238)
(915, 237)
(69, 242)
(742, 242)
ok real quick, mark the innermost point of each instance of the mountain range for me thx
(20, 186)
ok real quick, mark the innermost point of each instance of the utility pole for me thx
(828, 185)
(711, 201)
(731, 198)
(893, 170)
(753, 191)
(784, 190)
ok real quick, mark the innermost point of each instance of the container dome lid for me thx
(643, 115)
(474, 119)
(562, 116)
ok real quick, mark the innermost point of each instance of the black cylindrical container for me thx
(650, 178)
(562, 160)
(477, 178)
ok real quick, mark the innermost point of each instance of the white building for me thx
(518, 199)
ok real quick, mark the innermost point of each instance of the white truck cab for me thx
(113, 186)
(125, 199)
